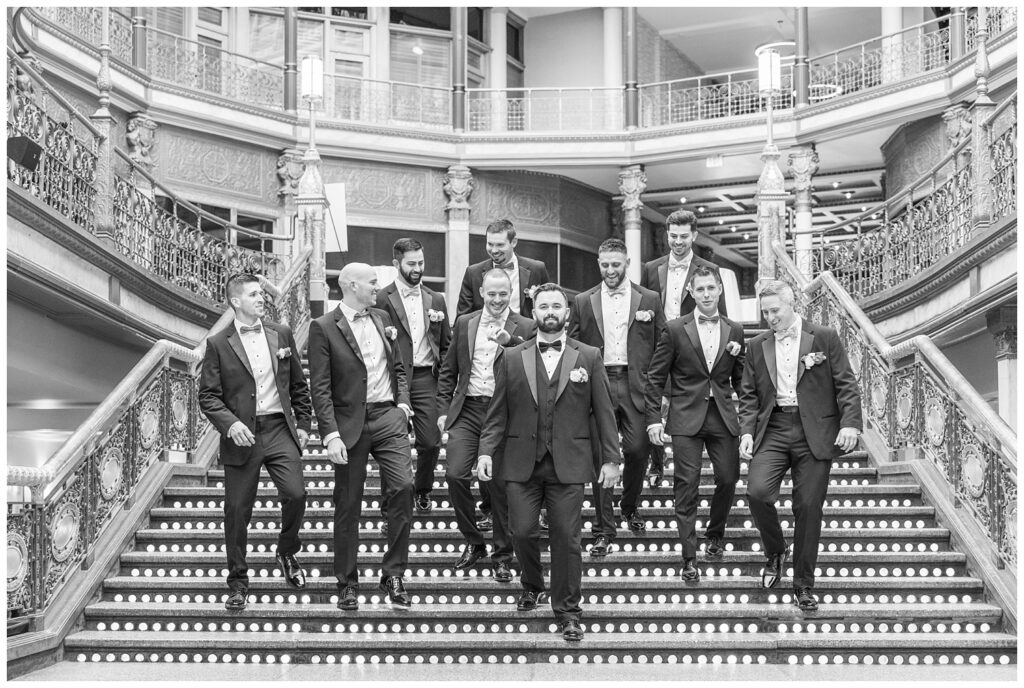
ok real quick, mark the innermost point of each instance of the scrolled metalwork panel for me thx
(23, 560)
(64, 543)
(1003, 153)
(976, 482)
(149, 427)
(180, 421)
(1007, 515)
(110, 472)
(905, 406)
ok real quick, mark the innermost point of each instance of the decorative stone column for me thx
(103, 120)
(801, 67)
(632, 183)
(140, 49)
(981, 110)
(311, 204)
(458, 186)
(892, 46)
(612, 65)
(497, 67)
(957, 33)
(460, 27)
(771, 209)
(803, 165)
(291, 61)
(632, 61)
(380, 40)
(1002, 323)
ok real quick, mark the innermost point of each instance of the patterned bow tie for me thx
(618, 291)
(788, 333)
(411, 291)
(674, 266)
(707, 319)
(545, 346)
(503, 266)
(363, 314)
(254, 328)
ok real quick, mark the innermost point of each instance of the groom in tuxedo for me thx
(253, 390)
(550, 394)
(799, 409)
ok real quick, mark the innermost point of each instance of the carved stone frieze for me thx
(140, 135)
(387, 189)
(206, 162)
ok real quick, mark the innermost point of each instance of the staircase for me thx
(892, 590)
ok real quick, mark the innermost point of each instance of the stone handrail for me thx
(152, 415)
(916, 399)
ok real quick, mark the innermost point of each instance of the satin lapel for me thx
(569, 358)
(349, 335)
(432, 341)
(806, 344)
(595, 305)
(691, 331)
(663, 281)
(236, 345)
(474, 325)
(634, 304)
(723, 339)
(273, 341)
(510, 325)
(380, 330)
(524, 282)
(396, 302)
(768, 349)
(530, 365)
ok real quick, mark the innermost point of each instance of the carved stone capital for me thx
(289, 171)
(140, 135)
(958, 123)
(632, 183)
(458, 187)
(1002, 323)
(772, 183)
(803, 165)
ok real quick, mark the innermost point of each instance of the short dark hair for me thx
(550, 286)
(403, 246)
(237, 284)
(503, 226)
(778, 288)
(612, 245)
(705, 271)
(682, 217)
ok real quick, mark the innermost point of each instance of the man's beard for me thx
(409, 279)
(547, 327)
(621, 278)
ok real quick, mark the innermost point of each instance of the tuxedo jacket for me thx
(587, 325)
(581, 408)
(438, 333)
(827, 393)
(532, 273)
(654, 276)
(679, 360)
(227, 388)
(337, 374)
(453, 382)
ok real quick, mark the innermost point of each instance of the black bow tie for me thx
(707, 319)
(544, 346)
(503, 266)
(255, 328)
(363, 314)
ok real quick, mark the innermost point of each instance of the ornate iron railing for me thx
(65, 176)
(544, 109)
(209, 69)
(727, 94)
(998, 20)
(1000, 132)
(152, 413)
(388, 103)
(86, 24)
(882, 60)
(915, 397)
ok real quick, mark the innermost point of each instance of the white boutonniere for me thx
(434, 316)
(391, 333)
(529, 292)
(812, 359)
(579, 375)
(284, 353)
(644, 316)
(733, 348)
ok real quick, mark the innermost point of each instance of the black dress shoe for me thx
(470, 555)
(529, 600)
(348, 600)
(424, 505)
(774, 569)
(571, 629)
(690, 573)
(485, 524)
(502, 573)
(397, 595)
(542, 520)
(291, 570)
(600, 546)
(236, 600)
(655, 476)
(715, 547)
(635, 522)
(804, 598)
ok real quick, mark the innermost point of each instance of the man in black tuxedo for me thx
(669, 276)
(253, 390)
(700, 355)
(623, 321)
(799, 409)
(464, 391)
(361, 400)
(423, 335)
(525, 273)
(550, 393)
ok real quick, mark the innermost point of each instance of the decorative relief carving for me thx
(458, 187)
(632, 183)
(395, 190)
(958, 124)
(522, 204)
(289, 170)
(204, 162)
(1006, 344)
(803, 165)
(141, 135)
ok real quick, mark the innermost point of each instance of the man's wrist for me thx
(331, 436)
(856, 430)
(655, 425)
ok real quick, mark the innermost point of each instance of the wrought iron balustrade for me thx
(915, 397)
(1001, 138)
(150, 416)
(728, 94)
(998, 20)
(386, 103)
(86, 24)
(544, 109)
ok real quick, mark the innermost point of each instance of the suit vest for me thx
(547, 390)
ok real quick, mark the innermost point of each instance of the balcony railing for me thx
(86, 24)
(998, 19)
(728, 94)
(933, 217)
(386, 103)
(544, 109)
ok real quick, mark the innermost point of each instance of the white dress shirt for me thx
(257, 350)
(481, 375)
(787, 359)
(675, 282)
(412, 300)
(516, 297)
(615, 314)
(710, 333)
(551, 357)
